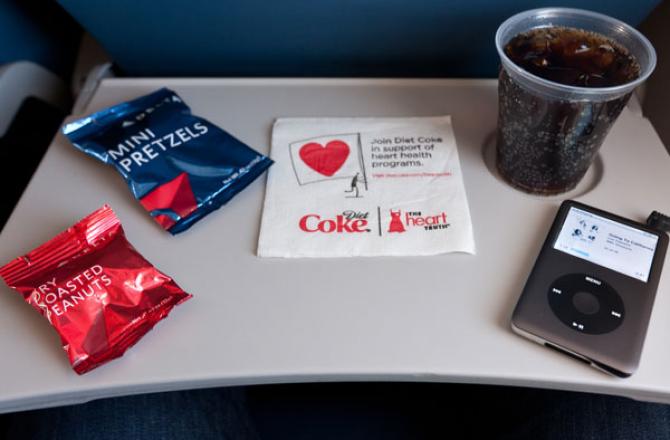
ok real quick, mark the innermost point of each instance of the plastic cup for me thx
(548, 132)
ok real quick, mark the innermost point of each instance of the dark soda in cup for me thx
(566, 75)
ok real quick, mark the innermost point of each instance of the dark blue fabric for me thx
(448, 411)
(352, 412)
(575, 416)
(216, 414)
(312, 37)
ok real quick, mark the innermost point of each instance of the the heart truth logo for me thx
(349, 222)
(400, 221)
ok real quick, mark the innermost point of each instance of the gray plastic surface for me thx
(251, 321)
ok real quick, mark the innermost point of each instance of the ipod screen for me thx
(608, 243)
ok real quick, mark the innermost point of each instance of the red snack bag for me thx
(97, 291)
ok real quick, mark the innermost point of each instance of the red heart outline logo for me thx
(325, 160)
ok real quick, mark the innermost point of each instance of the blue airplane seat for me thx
(387, 38)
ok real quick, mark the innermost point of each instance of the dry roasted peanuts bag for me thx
(95, 289)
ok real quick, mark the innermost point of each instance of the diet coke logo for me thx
(349, 222)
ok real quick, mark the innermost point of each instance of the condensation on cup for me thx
(565, 76)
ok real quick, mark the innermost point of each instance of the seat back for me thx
(388, 38)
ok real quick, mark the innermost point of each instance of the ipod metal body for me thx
(592, 288)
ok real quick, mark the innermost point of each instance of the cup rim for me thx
(564, 87)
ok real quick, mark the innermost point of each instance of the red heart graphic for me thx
(325, 160)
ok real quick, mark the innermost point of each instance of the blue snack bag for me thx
(179, 166)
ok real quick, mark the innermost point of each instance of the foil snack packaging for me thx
(95, 289)
(179, 166)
